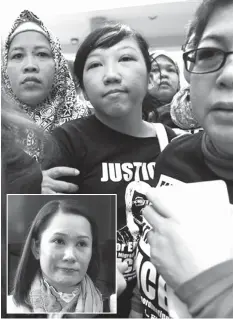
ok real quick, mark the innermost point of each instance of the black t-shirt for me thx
(183, 160)
(108, 162)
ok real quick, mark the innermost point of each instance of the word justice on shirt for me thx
(117, 172)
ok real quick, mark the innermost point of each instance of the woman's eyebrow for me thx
(83, 236)
(94, 55)
(16, 48)
(98, 54)
(59, 234)
(41, 47)
(65, 234)
(127, 47)
(35, 48)
(213, 37)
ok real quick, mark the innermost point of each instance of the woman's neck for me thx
(132, 125)
(61, 288)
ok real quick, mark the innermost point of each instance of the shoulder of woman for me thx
(12, 307)
(185, 139)
(182, 146)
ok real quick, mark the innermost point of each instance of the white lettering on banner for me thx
(162, 293)
(130, 246)
(138, 263)
(122, 255)
(151, 285)
(148, 285)
(157, 313)
(130, 265)
(116, 172)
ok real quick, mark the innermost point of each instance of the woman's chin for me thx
(32, 101)
(223, 140)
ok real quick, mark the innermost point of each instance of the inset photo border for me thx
(61, 248)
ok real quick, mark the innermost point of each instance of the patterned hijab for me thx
(62, 104)
(181, 110)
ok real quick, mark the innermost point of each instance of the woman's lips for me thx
(69, 269)
(223, 113)
(164, 85)
(227, 107)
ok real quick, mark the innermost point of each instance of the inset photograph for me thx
(61, 253)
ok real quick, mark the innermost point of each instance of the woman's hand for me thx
(52, 186)
(180, 251)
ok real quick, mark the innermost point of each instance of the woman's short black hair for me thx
(29, 265)
(106, 37)
(202, 16)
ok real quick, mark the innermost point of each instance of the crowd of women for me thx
(52, 144)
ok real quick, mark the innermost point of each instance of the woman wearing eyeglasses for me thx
(204, 156)
(207, 155)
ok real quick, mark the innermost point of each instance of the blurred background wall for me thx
(162, 22)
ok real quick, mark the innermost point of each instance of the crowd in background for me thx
(118, 122)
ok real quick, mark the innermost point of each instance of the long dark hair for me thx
(29, 265)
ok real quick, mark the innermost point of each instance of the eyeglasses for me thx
(205, 60)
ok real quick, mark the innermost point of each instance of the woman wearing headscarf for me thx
(166, 83)
(181, 106)
(35, 75)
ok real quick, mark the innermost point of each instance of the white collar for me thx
(67, 297)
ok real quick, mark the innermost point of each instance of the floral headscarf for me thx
(62, 104)
(181, 110)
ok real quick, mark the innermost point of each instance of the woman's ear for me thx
(35, 247)
(150, 81)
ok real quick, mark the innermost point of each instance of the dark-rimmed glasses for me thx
(205, 60)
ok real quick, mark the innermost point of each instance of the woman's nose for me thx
(111, 75)
(225, 78)
(30, 65)
(69, 254)
(163, 73)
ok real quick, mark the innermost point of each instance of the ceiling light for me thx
(74, 41)
(153, 17)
